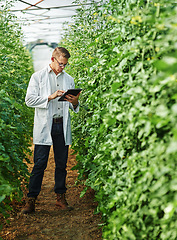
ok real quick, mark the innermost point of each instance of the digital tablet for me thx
(73, 91)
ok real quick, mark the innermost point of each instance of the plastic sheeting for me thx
(43, 19)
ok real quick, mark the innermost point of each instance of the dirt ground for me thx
(48, 222)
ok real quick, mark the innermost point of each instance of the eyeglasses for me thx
(61, 64)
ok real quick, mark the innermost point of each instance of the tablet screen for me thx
(73, 91)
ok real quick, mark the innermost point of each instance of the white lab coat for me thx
(37, 97)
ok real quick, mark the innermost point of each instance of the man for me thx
(51, 125)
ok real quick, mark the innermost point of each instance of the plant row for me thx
(124, 56)
(15, 117)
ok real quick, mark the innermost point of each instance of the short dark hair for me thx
(61, 51)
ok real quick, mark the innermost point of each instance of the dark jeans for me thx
(41, 154)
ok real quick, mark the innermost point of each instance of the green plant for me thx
(124, 56)
(15, 117)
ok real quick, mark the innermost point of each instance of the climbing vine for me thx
(15, 117)
(124, 56)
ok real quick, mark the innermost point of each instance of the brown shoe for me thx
(30, 206)
(62, 203)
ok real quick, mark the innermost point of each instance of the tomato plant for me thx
(15, 117)
(124, 56)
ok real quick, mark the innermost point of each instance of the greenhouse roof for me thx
(44, 19)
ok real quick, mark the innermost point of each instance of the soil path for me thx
(48, 222)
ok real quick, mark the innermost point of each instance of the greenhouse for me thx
(122, 164)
